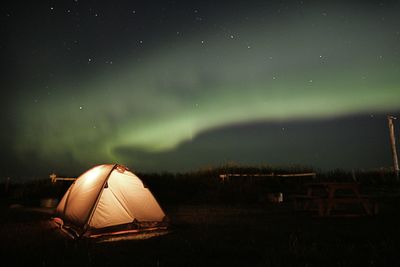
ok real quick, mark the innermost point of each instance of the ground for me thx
(271, 234)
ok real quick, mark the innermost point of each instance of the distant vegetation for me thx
(206, 187)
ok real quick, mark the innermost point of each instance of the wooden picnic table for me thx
(325, 197)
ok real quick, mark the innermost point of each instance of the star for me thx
(209, 61)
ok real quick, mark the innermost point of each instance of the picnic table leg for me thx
(364, 202)
(321, 208)
(330, 202)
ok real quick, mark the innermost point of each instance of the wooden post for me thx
(53, 177)
(7, 184)
(393, 145)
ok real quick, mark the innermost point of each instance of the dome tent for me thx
(108, 199)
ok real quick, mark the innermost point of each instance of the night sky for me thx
(182, 85)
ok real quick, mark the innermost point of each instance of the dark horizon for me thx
(374, 145)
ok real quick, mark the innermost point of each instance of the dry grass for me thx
(212, 224)
(201, 235)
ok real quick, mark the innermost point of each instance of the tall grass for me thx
(204, 186)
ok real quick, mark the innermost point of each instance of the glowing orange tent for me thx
(108, 199)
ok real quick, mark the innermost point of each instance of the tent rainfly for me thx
(108, 199)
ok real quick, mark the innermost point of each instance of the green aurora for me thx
(313, 66)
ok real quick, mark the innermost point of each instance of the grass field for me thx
(260, 235)
(212, 224)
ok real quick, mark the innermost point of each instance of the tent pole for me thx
(85, 227)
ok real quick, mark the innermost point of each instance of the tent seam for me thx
(126, 210)
(97, 200)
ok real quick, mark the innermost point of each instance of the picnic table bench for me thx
(326, 197)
